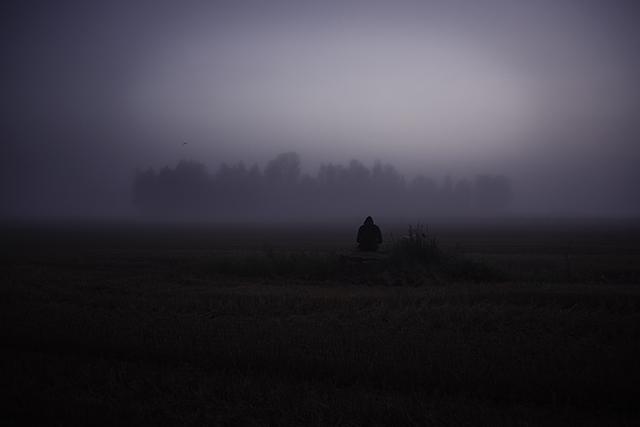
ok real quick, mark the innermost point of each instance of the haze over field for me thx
(320, 212)
(545, 93)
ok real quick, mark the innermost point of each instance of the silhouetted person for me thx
(369, 236)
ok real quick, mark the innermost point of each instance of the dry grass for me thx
(151, 337)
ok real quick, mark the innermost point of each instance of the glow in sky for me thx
(368, 89)
(546, 92)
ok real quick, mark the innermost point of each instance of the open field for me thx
(175, 325)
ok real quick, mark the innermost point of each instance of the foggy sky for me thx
(545, 92)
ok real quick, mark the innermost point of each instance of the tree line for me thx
(281, 190)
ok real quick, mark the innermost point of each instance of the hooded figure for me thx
(369, 236)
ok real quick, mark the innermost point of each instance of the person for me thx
(369, 236)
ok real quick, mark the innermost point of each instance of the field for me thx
(526, 322)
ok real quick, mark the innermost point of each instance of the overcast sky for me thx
(545, 92)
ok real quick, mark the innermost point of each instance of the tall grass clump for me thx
(416, 257)
(419, 252)
(416, 248)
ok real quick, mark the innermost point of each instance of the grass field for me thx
(528, 323)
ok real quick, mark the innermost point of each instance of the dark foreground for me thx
(140, 325)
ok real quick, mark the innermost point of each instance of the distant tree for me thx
(357, 174)
(189, 183)
(445, 195)
(493, 191)
(462, 193)
(235, 191)
(254, 174)
(386, 176)
(285, 168)
(329, 175)
(232, 187)
(233, 176)
(145, 189)
(447, 186)
(422, 186)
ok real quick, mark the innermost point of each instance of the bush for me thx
(419, 252)
(416, 248)
(414, 258)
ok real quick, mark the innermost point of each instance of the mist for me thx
(544, 95)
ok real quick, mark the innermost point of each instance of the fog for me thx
(542, 96)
